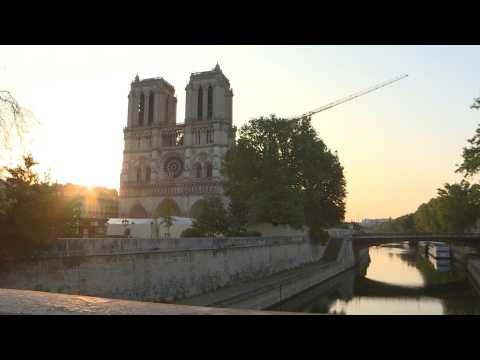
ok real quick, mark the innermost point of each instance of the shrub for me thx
(192, 232)
(247, 234)
(318, 236)
(211, 216)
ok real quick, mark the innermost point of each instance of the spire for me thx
(137, 78)
(217, 68)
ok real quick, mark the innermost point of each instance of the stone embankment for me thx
(157, 270)
(473, 267)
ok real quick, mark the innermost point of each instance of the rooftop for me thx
(152, 81)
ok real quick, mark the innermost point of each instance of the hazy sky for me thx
(397, 144)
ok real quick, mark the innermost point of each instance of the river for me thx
(393, 279)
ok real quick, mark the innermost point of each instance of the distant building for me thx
(97, 206)
(369, 223)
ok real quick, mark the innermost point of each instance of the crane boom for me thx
(353, 96)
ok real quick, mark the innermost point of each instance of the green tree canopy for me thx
(404, 224)
(34, 212)
(471, 154)
(455, 209)
(211, 216)
(281, 172)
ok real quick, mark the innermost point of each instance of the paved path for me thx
(26, 302)
(236, 293)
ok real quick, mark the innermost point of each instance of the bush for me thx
(211, 216)
(318, 236)
(192, 232)
(247, 234)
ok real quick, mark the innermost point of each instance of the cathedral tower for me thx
(163, 159)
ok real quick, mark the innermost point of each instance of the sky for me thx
(397, 144)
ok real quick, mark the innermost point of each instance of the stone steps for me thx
(236, 294)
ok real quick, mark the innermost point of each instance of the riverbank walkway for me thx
(26, 302)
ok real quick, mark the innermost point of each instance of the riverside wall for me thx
(156, 270)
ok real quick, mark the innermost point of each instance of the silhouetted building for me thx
(97, 206)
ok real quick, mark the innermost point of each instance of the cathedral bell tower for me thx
(168, 162)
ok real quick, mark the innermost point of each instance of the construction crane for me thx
(353, 96)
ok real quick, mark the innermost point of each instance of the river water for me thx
(393, 279)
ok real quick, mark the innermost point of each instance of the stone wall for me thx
(157, 270)
(473, 267)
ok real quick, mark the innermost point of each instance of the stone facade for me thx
(165, 159)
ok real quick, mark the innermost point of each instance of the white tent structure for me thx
(148, 228)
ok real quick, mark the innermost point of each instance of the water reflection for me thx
(393, 279)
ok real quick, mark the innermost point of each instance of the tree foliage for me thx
(404, 224)
(211, 216)
(455, 209)
(471, 154)
(281, 172)
(33, 212)
(16, 122)
(457, 206)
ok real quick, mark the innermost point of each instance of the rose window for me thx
(173, 167)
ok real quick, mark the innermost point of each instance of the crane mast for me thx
(353, 96)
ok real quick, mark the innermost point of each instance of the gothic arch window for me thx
(141, 108)
(151, 107)
(139, 175)
(167, 206)
(137, 211)
(196, 209)
(209, 136)
(200, 103)
(210, 103)
(197, 136)
(148, 173)
(198, 170)
(209, 170)
(166, 109)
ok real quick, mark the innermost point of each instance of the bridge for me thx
(375, 239)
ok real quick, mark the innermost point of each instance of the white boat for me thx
(439, 250)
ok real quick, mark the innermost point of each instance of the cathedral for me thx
(164, 160)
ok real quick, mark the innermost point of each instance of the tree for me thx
(34, 212)
(471, 154)
(458, 206)
(455, 209)
(281, 172)
(166, 211)
(15, 124)
(403, 224)
(211, 217)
